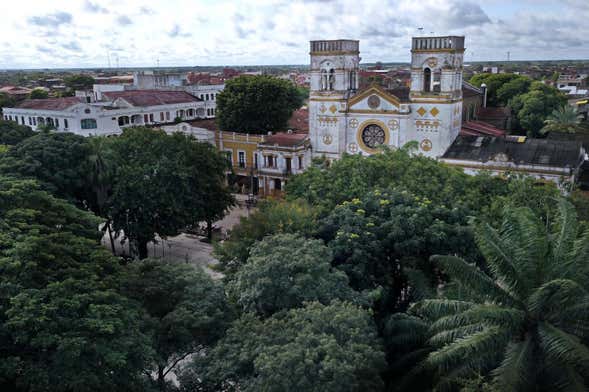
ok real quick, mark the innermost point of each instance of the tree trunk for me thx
(161, 379)
(142, 248)
(209, 230)
(112, 240)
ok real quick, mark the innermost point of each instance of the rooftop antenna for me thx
(117, 60)
(158, 62)
(108, 57)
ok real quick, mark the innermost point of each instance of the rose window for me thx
(373, 136)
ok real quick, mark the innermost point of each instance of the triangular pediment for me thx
(374, 98)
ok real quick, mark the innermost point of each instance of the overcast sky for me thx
(83, 33)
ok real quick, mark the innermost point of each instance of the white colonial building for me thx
(115, 111)
(345, 120)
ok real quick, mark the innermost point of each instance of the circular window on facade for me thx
(373, 136)
(373, 101)
(86, 111)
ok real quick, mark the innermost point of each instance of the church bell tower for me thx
(436, 91)
(334, 78)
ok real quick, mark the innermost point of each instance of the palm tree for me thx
(563, 119)
(522, 324)
(100, 181)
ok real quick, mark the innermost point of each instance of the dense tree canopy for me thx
(271, 217)
(39, 93)
(330, 348)
(63, 324)
(185, 311)
(533, 107)
(257, 104)
(79, 82)
(162, 184)
(521, 324)
(12, 133)
(285, 270)
(6, 101)
(57, 160)
(353, 176)
(501, 87)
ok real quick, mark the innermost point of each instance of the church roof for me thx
(516, 150)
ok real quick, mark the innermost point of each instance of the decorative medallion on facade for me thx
(393, 124)
(434, 112)
(322, 108)
(432, 62)
(333, 109)
(373, 136)
(421, 111)
(353, 123)
(353, 148)
(327, 139)
(373, 102)
(426, 145)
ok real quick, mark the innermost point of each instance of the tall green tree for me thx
(315, 348)
(39, 93)
(495, 82)
(522, 323)
(534, 107)
(185, 312)
(286, 270)
(257, 104)
(163, 183)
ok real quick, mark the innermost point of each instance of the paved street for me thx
(188, 248)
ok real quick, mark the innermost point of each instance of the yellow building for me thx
(241, 151)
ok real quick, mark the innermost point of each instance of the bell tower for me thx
(436, 91)
(334, 78)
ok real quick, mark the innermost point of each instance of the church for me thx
(345, 120)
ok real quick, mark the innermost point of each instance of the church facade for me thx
(343, 119)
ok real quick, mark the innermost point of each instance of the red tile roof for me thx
(208, 123)
(55, 104)
(493, 112)
(285, 139)
(151, 97)
(300, 120)
(479, 128)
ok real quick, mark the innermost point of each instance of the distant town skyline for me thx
(130, 33)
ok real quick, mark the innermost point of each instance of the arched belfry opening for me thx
(427, 80)
(331, 79)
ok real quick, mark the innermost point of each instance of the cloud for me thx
(177, 32)
(94, 8)
(461, 15)
(73, 46)
(51, 20)
(146, 11)
(124, 20)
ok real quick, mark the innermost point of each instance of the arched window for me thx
(437, 84)
(331, 79)
(427, 80)
(323, 79)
